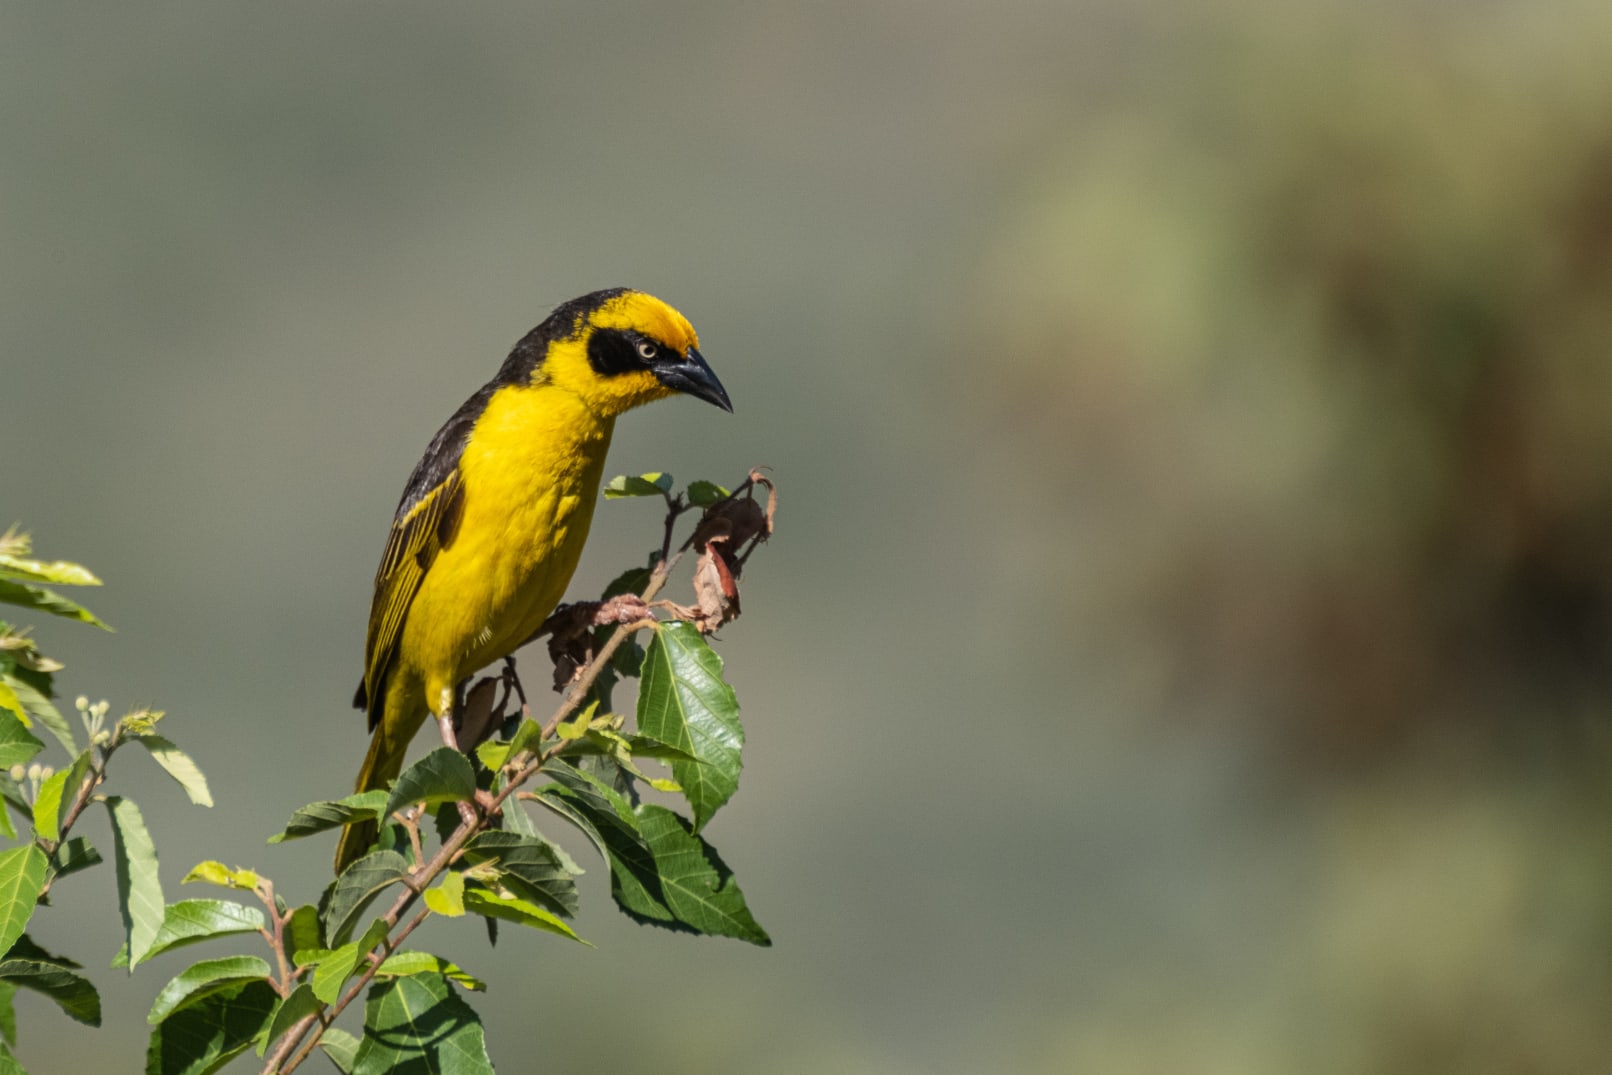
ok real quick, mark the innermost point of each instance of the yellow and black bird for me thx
(494, 517)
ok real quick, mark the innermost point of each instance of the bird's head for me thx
(618, 349)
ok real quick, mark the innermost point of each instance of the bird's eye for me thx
(647, 350)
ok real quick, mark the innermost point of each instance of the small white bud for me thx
(19, 772)
(34, 770)
(81, 703)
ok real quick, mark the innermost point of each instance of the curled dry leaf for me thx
(569, 629)
(477, 718)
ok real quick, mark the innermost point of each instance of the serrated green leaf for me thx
(287, 1013)
(448, 897)
(419, 1024)
(698, 886)
(531, 867)
(341, 1047)
(39, 708)
(608, 820)
(73, 993)
(201, 980)
(42, 600)
(22, 878)
(179, 766)
(202, 1038)
(139, 889)
(651, 484)
(48, 806)
(703, 494)
(321, 816)
(56, 573)
(357, 886)
(514, 909)
(442, 776)
(72, 856)
(685, 703)
(17, 744)
(192, 921)
(402, 964)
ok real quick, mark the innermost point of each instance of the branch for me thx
(297, 1045)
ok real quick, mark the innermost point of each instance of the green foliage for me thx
(456, 841)
(418, 1023)
(139, 889)
(687, 705)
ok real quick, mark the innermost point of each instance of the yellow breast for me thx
(531, 471)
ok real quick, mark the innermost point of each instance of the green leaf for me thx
(290, 1011)
(699, 888)
(703, 494)
(35, 597)
(17, 744)
(402, 964)
(58, 573)
(48, 807)
(179, 766)
(201, 980)
(320, 816)
(332, 969)
(9, 702)
(419, 1024)
(494, 755)
(40, 708)
(73, 783)
(203, 1037)
(514, 909)
(192, 921)
(302, 931)
(8, 1015)
(72, 856)
(531, 866)
(448, 897)
(22, 878)
(139, 889)
(651, 484)
(608, 820)
(632, 580)
(358, 885)
(685, 703)
(442, 776)
(213, 872)
(73, 993)
(341, 1047)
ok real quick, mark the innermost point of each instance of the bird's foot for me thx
(623, 608)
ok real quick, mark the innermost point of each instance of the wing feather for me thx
(424, 524)
(416, 538)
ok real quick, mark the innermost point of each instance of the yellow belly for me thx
(531, 473)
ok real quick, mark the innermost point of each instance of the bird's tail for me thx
(381, 765)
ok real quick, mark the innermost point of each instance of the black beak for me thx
(692, 376)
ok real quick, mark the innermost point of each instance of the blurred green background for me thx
(1186, 646)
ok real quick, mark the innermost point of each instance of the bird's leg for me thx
(445, 721)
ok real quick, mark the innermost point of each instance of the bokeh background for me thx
(1186, 645)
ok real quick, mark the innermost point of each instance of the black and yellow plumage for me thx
(494, 517)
